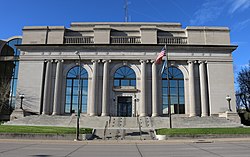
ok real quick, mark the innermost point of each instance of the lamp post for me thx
(79, 97)
(21, 97)
(228, 98)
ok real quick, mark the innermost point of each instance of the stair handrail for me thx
(139, 125)
(109, 120)
(105, 130)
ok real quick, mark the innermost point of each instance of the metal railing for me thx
(105, 130)
(172, 40)
(139, 126)
(78, 40)
(125, 40)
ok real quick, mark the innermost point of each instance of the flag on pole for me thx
(163, 66)
(161, 55)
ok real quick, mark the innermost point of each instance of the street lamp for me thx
(228, 98)
(21, 97)
(79, 97)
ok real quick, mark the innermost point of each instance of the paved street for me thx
(12, 148)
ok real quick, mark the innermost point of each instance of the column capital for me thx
(152, 61)
(191, 61)
(202, 61)
(59, 60)
(95, 60)
(106, 60)
(48, 60)
(144, 60)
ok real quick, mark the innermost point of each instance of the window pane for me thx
(173, 91)
(75, 91)
(181, 91)
(164, 83)
(173, 83)
(181, 83)
(74, 108)
(181, 100)
(68, 99)
(133, 82)
(75, 99)
(68, 91)
(69, 82)
(67, 108)
(124, 82)
(75, 84)
(116, 83)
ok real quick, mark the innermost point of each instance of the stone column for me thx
(105, 89)
(192, 89)
(155, 111)
(57, 94)
(203, 89)
(143, 106)
(93, 107)
(46, 99)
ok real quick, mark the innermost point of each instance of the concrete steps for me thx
(125, 128)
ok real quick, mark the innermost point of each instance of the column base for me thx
(155, 115)
(92, 114)
(45, 113)
(55, 113)
(104, 114)
(143, 115)
(192, 115)
(204, 115)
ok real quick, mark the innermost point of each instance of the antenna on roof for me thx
(126, 10)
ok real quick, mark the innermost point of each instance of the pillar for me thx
(58, 82)
(47, 84)
(192, 89)
(143, 106)
(105, 89)
(93, 106)
(203, 89)
(154, 90)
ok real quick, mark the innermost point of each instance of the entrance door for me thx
(124, 106)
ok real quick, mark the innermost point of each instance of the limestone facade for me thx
(202, 54)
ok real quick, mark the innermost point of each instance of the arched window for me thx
(72, 90)
(124, 76)
(176, 81)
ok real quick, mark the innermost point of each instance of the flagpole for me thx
(169, 100)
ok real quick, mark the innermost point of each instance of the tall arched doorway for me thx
(177, 100)
(72, 79)
(124, 77)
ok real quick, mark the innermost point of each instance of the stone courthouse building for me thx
(118, 73)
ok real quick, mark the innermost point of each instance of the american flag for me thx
(160, 56)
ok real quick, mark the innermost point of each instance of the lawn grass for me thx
(204, 131)
(41, 129)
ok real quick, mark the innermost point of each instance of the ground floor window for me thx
(176, 85)
(72, 84)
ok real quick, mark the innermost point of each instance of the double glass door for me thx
(124, 106)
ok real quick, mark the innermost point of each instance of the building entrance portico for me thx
(124, 106)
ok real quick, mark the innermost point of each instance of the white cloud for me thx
(241, 25)
(209, 11)
(240, 5)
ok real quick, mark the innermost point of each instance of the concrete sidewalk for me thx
(212, 140)
(182, 148)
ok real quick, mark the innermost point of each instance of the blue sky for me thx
(234, 14)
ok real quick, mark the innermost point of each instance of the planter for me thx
(87, 136)
(161, 137)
